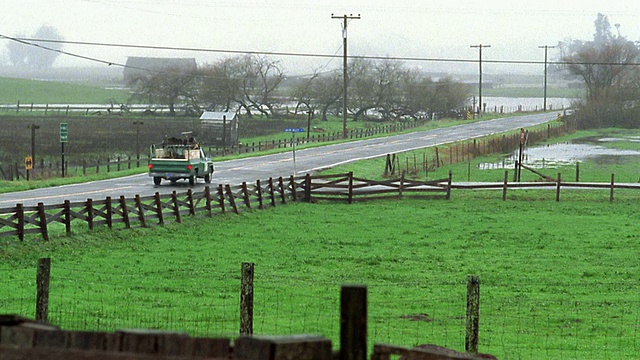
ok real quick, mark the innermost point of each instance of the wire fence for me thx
(536, 320)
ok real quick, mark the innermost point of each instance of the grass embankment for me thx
(625, 168)
(559, 280)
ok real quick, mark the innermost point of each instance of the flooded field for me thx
(555, 155)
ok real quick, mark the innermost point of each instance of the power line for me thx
(34, 42)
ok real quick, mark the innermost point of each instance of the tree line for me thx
(387, 90)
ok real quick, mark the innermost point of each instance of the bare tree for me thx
(220, 86)
(171, 87)
(607, 67)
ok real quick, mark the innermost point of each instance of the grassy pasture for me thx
(559, 280)
(49, 92)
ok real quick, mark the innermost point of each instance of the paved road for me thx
(250, 169)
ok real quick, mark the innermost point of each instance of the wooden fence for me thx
(159, 209)
(49, 169)
(21, 338)
(558, 184)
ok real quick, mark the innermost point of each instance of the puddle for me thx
(556, 155)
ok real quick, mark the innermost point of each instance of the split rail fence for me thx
(158, 209)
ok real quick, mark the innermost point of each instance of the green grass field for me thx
(48, 92)
(558, 280)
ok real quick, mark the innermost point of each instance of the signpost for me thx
(293, 132)
(28, 165)
(64, 137)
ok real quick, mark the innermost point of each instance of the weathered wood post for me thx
(42, 289)
(125, 212)
(44, 227)
(473, 313)
(66, 213)
(505, 185)
(353, 322)
(558, 187)
(307, 188)
(578, 171)
(449, 181)
(350, 190)
(246, 299)
(612, 187)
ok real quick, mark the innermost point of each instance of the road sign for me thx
(64, 133)
(294, 130)
(28, 163)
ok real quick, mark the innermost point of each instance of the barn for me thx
(219, 128)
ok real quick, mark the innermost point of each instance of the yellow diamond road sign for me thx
(28, 163)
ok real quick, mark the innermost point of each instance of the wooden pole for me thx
(473, 314)
(246, 299)
(612, 187)
(353, 322)
(42, 293)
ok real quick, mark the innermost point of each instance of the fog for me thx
(427, 30)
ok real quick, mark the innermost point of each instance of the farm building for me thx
(138, 67)
(219, 128)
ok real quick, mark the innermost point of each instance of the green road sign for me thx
(64, 133)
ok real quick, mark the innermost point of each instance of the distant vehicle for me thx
(176, 159)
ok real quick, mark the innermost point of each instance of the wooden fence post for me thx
(612, 187)
(108, 212)
(66, 213)
(401, 187)
(125, 212)
(504, 185)
(89, 206)
(245, 195)
(232, 199)
(259, 189)
(473, 314)
(207, 196)
(449, 180)
(246, 299)
(558, 187)
(42, 285)
(283, 194)
(307, 188)
(292, 186)
(158, 204)
(43, 222)
(221, 199)
(143, 221)
(350, 196)
(353, 322)
(272, 195)
(20, 221)
(192, 208)
(176, 206)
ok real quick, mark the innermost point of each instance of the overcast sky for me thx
(398, 28)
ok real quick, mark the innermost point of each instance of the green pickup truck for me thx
(176, 159)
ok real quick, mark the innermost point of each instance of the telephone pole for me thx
(480, 47)
(345, 19)
(546, 49)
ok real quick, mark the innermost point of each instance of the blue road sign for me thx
(294, 130)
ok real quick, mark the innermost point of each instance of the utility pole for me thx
(345, 19)
(33, 128)
(546, 50)
(480, 104)
(137, 124)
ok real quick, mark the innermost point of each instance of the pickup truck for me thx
(176, 159)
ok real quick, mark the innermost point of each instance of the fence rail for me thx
(144, 211)
(160, 209)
